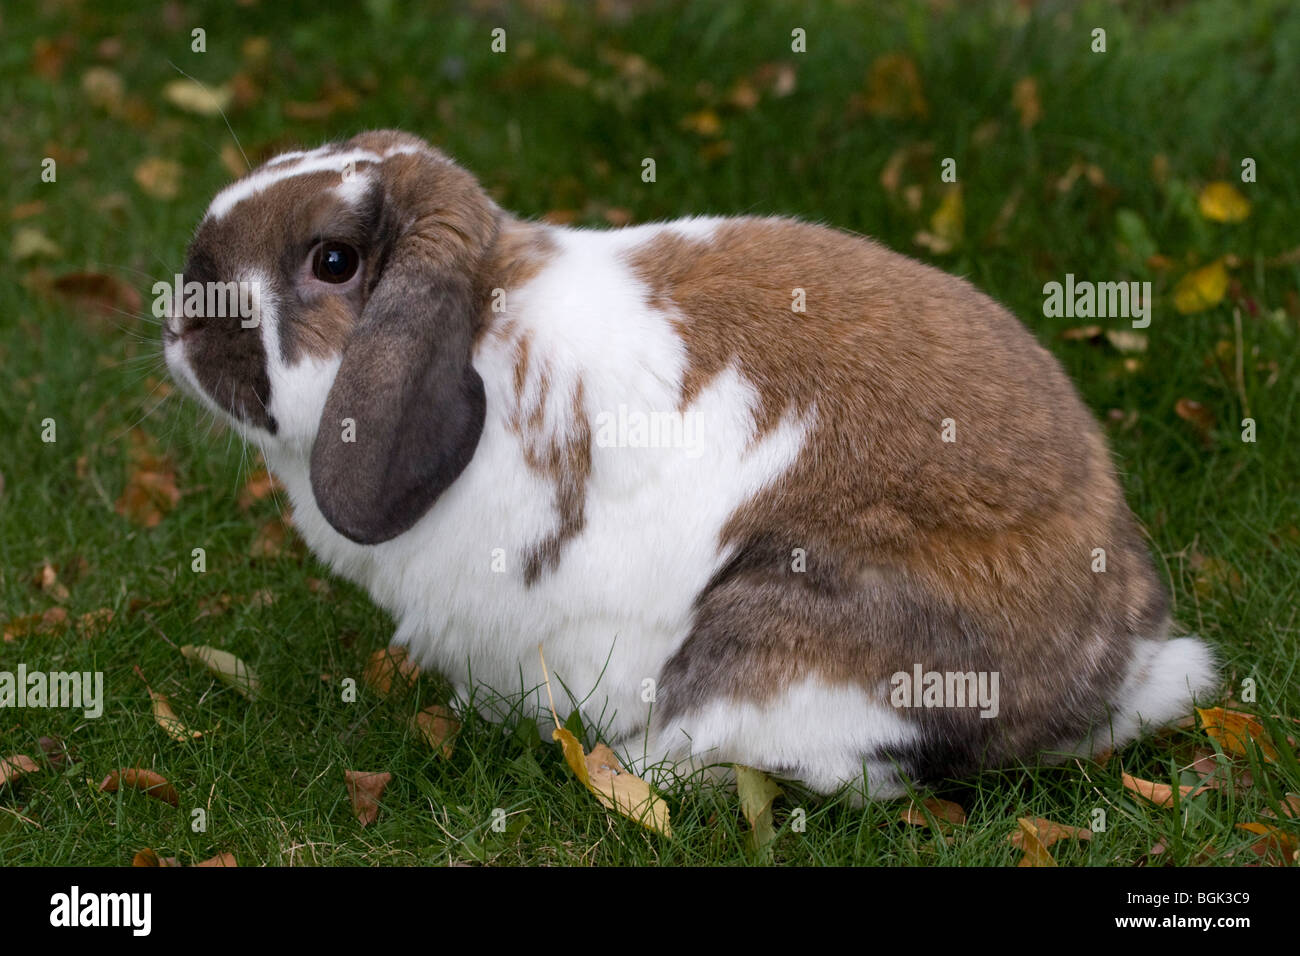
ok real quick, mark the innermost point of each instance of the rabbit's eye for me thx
(334, 262)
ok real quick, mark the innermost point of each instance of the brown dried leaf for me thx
(147, 781)
(617, 789)
(98, 292)
(38, 623)
(221, 859)
(93, 623)
(387, 666)
(1036, 853)
(365, 790)
(1233, 729)
(1161, 794)
(944, 811)
(438, 726)
(1049, 832)
(148, 857)
(14, 766)
(159, 178)
(1272, 840)
(150, 490)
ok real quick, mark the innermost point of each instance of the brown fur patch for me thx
(973, 552)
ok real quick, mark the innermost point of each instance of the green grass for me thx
(1201, 84)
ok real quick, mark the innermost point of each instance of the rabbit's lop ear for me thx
(406, 408)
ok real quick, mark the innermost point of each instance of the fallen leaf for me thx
(1190, 410)
(148, 857)
(30, 243)
(386, 666)
(57, 752)
(1273, 839)
(703, 123)
(1036, 853)
(1125, 341)
(757, 791)
(225, 666)
(221, 859)
(146, 781)
(159, 178)
(38, 623)
(14, 766)
(193, 97)
(894, 88)
(99, 292)
(438, 726)
(270, 539)
(943, 810)
(1161, 794)
(47, 580)
(1223, 202)
(150, 491)
(261, 484)
(1049, 832)
(103, 88)
(618, 790)
(1083, 333)
(1202, 289)
(365, 790)
(1233, 729)
(165, 716)
(1024, 97)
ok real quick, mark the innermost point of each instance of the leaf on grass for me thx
(365, 790)
(894, 88)
(1035, 852)
(194, 97)
(221, 859)
(388, 666)
(146, 781)
(945, 811)
(93, 623)
(14, 766)
(1126, 341)
(270, 540)
(99, 292)
(30, 243)
(1024, 97)
(1272, 840)
(159, 178)
(148, 857)
(165, 716)
(946, 224)
(260, 485)
(757, 791)
(438, 726)
(150, 490)
(1161, 794)
(226, 667)
(1202, 289)
(1083, 333)
(614, 787)
(1049, 832)
(1201, 418)
(38, 623)
(1223, 202)
(1233, 729)
(47, 580)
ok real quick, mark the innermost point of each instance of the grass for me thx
(559, 124)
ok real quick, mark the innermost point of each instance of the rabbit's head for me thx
(330, 303)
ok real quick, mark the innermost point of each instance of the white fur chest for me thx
(617, 600)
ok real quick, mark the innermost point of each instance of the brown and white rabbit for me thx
(874, 540)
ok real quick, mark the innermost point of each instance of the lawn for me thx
(1067, 161)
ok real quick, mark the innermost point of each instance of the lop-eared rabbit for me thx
(765, 492)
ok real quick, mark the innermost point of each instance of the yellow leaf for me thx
(1161, 794)
(757, 791)
(159, 178)
(225, 666)
(1024, 97)
(894, 88)
(1223, 202)
(1049, 832)
(1232, 729)
(614, 787)
(1202, 289)
(193, 97)
(1035, 852)
(167, 719)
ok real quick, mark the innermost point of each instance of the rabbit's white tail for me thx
(1165, 677)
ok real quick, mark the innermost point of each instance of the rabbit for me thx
(761, 491)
